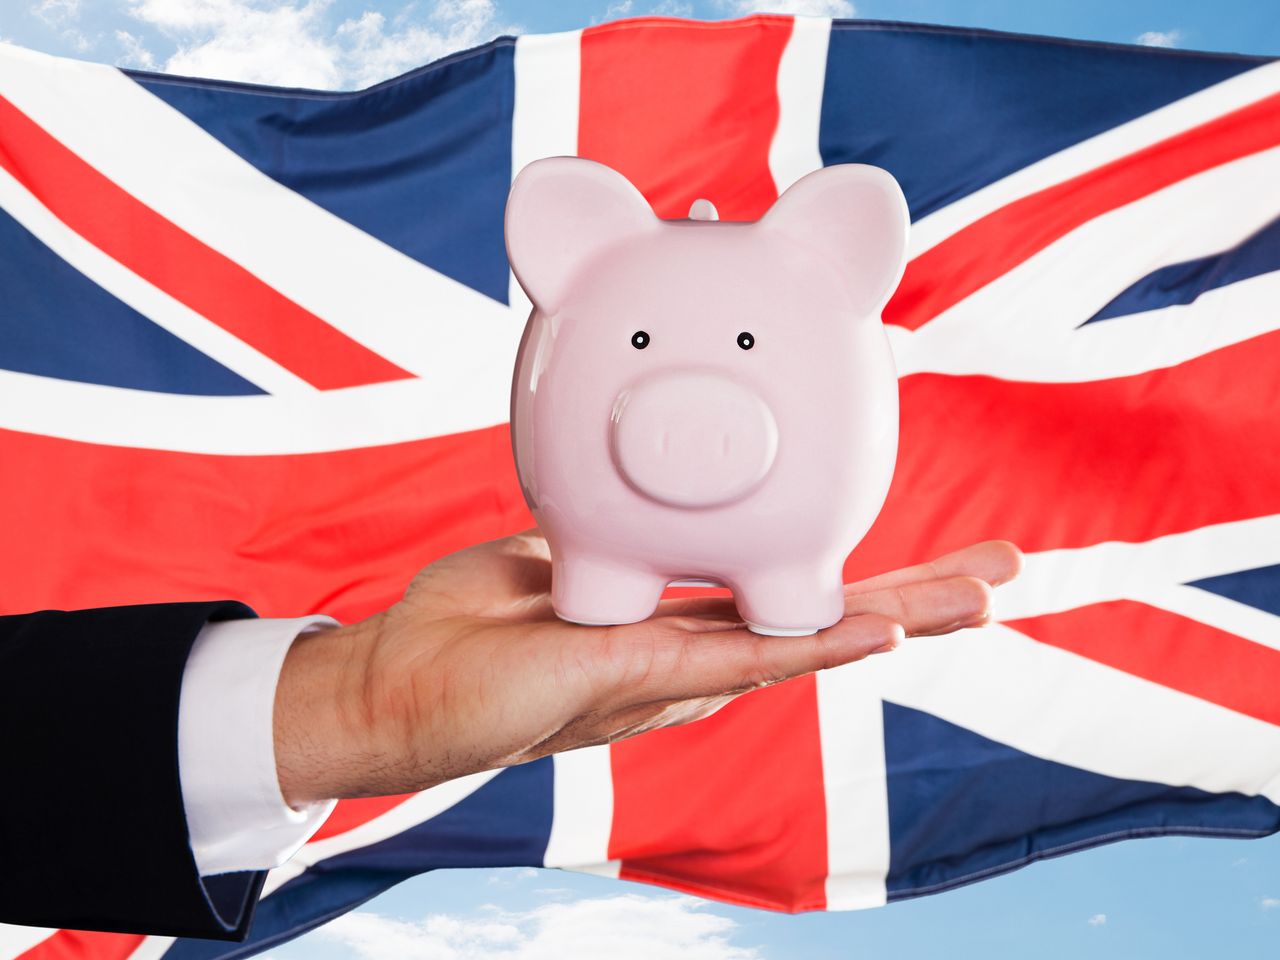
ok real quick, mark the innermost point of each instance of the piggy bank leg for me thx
(599, 592)
(790, 603)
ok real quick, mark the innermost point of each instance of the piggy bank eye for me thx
(746, 341)
(639, 339)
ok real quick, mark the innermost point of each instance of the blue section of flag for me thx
(918, 100)
(1017, 808)
(51, 310)
(1183, 283)
(1259, 587)
(422, 162)
(505, 823)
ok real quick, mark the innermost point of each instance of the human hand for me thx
(472, 670)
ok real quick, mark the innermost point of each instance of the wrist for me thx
(322, 726)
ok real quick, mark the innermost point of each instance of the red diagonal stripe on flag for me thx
(988, 248)
(79, 944)
(1170, 650)
(349, 814)
(171, 259)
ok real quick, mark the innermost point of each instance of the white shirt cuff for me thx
(237, 818)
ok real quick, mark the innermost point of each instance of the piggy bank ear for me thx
(856, 215)
(562, 212)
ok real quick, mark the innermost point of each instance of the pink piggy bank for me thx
(704, 401)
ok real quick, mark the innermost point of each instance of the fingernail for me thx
(885, 647)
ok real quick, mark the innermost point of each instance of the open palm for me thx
(473, 670)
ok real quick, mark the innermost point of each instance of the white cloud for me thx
(663, 8)
(232, 40)
(1270, 903)
(506, 877)
(135, 52)
(63, 16)
(626, 927)
(841, 9)
(1098, 920)
(298, 43)
(1160, 38)
(57, 13)
(375, 49)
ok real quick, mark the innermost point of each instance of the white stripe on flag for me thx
(548, 71)
(544, 121)
(421, 320)
(1023, 325)
(851, 725)
(583, 812)
(152, 948)
(152, 302)
(16, 940)
(351, 418)
(802, 74)
(1056, 580)
(1120, 141)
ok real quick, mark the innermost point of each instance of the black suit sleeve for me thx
(92, 829)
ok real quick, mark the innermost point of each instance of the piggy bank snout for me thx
(693, 439)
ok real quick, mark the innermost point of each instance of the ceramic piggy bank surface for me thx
(704, 400)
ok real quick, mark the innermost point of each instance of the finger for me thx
(929, 607)
(728, 662)
(919, 606)
(923, 608)
(995, 561)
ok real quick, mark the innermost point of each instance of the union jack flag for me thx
(256, 343)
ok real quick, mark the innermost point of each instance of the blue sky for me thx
(1169, 898)
(351, 43)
